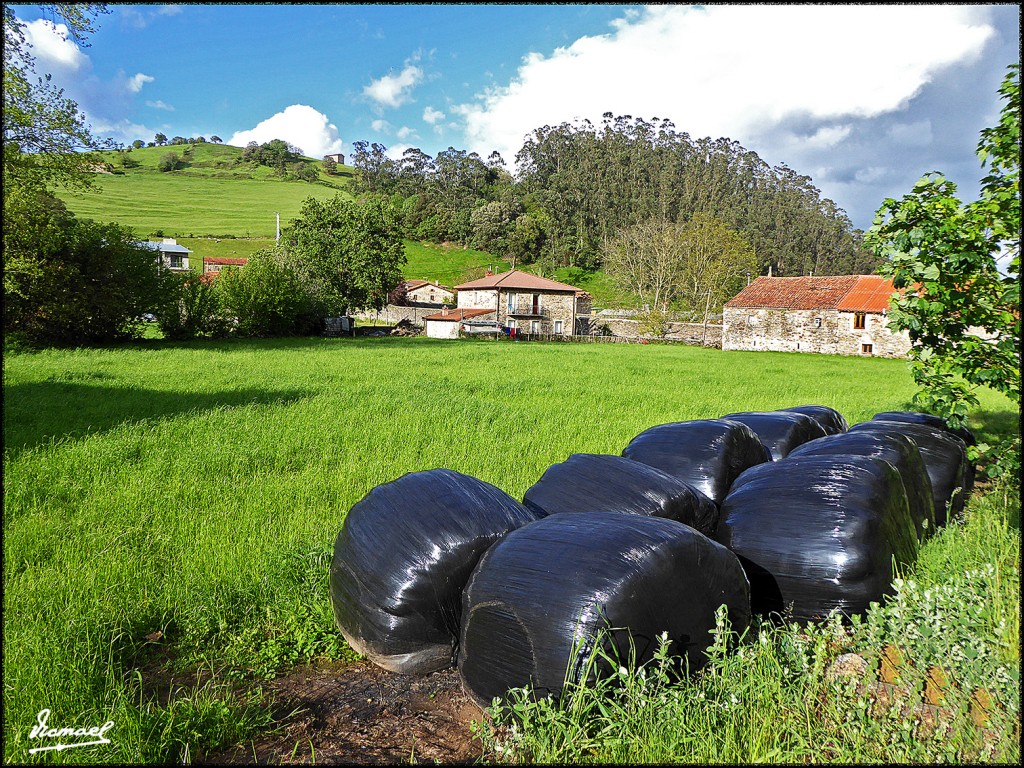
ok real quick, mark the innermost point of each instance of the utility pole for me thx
(278, 238)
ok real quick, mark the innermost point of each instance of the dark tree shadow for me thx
(74, 406)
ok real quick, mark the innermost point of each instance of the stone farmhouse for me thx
(169, 254)
(424, 292)
(841, 315)
(527, 303)
(214, 264)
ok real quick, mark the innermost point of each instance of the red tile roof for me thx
(794, 292)
(871, 293)
(226, 261)
(458, 315)
(516, 279)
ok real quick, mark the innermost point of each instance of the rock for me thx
(847, 665)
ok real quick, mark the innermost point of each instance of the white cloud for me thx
(394, 90)
(405, 132)
(159, 104)
(381, 126)
(432, 116)
(298, 124)
(734, 71)
(51, 46)
(135, 82)
(135, 17)
(395, 152)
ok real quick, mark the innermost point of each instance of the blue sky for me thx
(864, 99)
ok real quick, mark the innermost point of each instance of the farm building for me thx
(215, 264)
(338, 158)
(526, 302)
(169, 253)
(424, 292)
(842, 315)
(447, 323)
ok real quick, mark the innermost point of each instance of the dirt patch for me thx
(361, 714)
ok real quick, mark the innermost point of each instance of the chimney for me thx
(490, 272)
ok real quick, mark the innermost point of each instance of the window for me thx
(817, 322)
(865, 349)
(558, 326)
(858, 321)
(535, 326)
(174, 261)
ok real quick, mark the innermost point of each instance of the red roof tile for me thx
(794, 292)
(516, 279)
(225, 260)
(871, 293)
(458, 315)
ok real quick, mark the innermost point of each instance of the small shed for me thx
(447, 323)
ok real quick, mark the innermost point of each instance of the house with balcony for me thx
(169, 254)
(527, 303)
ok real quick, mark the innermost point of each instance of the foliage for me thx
(190, 307)
(698, 265)
(273, 295)
(170, 162)
(354, 252)
(43, 131)
(72, 281)
(962, 314)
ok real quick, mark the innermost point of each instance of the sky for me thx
(864, 99)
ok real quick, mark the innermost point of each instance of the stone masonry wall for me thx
(821, 331)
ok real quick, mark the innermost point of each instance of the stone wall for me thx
(825, 331)
(392, 314)
(553, 307)
(691, 333)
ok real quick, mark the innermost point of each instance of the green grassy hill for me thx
(218, 206)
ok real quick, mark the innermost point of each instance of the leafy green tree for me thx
(273, 295)
(962, 314)
(160, 139)
(216, 139)
(354, 251)
(71, 281)
(138, 144)
(170, 162)
(330, 166)
(715, 262)
(189, 307)
(46, 140)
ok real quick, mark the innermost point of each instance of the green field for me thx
(195, 489)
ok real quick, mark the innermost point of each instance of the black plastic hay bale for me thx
(898, 450)
(818, 534)
(945, 458)
(927, 419)
(780, 431)
(540, 597)
(588, 482)
(402, 559)
(707, 454)
(831, 420)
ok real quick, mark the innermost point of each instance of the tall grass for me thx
(170, 509)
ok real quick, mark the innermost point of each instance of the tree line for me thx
(581, 185)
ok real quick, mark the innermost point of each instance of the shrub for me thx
(170, 162)
(191, 307)
(271, 296)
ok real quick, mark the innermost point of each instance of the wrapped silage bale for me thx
(588, 482)
(945, 458)
(402, 559)
(928, 419)
(539, 598)
(931, 420)
(780, 431)
(707, 454)
(831, 420)
(898, 450)
(818, 534)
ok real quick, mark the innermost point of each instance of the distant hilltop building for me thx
(338, 158)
